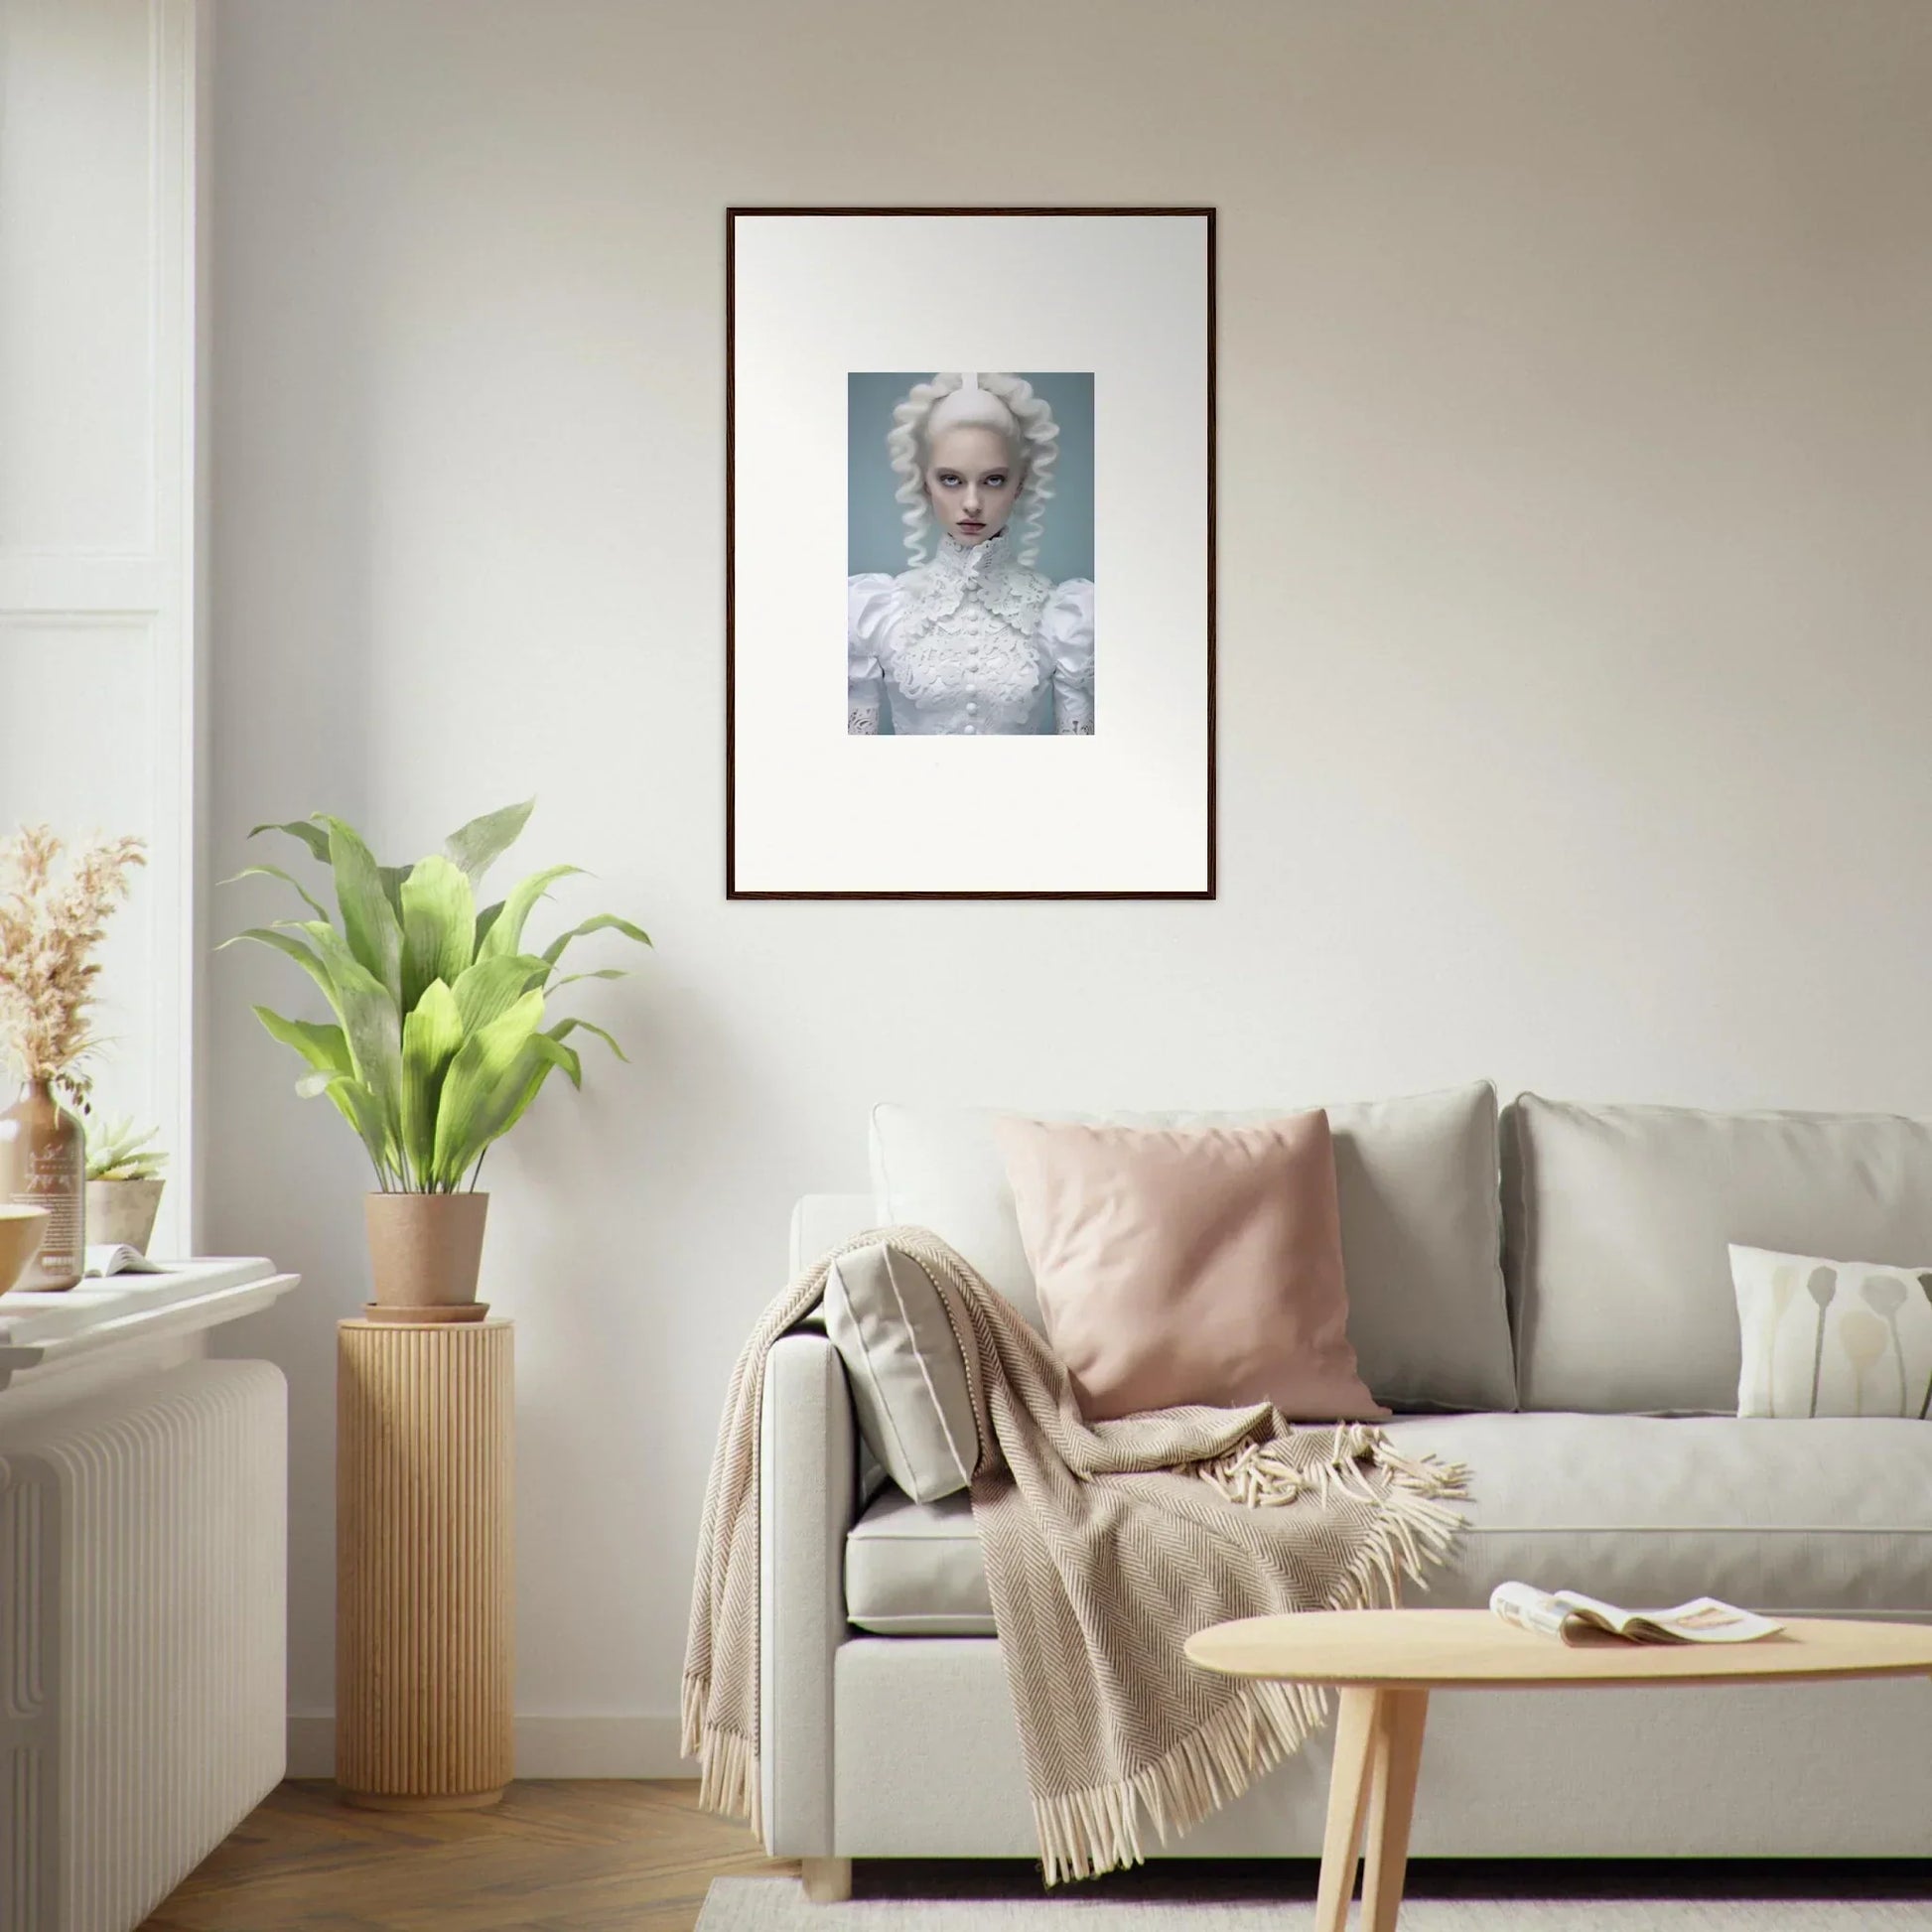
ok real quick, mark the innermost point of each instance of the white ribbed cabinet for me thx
(425, 1579)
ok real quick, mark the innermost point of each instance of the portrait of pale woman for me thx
(972, 638)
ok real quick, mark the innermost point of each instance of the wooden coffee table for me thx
(1386, 1662)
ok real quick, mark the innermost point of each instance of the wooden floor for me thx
(582, 1856)
(622, 1857)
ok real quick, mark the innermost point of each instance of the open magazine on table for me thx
(1576, 1618)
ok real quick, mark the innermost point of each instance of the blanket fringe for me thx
(728, 1781)
(1085, 1833)
(696, 1694)
(1258, 1475)
(727, 1764)
(1414, 1529)
(1099, 1829)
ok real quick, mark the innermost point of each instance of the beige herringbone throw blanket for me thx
(1107, 1544)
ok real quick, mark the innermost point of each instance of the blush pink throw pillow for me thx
(1196, 1265)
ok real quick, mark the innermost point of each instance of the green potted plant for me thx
(438, 1041)
(124, 1183)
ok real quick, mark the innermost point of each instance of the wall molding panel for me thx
(124, 79)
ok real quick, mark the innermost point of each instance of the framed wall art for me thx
(970, 553)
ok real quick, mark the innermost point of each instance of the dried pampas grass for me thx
(49, 927)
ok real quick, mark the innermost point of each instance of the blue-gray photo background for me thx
(874, 536)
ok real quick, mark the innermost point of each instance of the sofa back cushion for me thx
(1619, 1222)
(1421, 1227)
(821, 1222)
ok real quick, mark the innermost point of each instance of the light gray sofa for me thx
(1551, 1304)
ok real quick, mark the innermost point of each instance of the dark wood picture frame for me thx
(733, 891)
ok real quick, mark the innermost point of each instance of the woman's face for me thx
(971, 481)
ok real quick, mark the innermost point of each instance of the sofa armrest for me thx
(807, 1496)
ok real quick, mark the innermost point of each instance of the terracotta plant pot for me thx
(122, 1212)
(21, 1232)
(426, 1249)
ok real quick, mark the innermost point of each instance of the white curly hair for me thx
(982, 399)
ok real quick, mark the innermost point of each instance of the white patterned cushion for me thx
(1831, 1337)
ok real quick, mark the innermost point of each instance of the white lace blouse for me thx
(971, 643)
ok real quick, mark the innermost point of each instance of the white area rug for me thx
(778, 1905)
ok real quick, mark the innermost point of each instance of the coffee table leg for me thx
(1355, 1734)
(1396, 1758)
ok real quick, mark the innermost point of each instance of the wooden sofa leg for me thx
(828, 1881)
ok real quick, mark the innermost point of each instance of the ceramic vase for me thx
(44, 1164)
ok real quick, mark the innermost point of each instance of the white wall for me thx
(1577, 451)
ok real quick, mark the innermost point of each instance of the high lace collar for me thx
(959, 562)
(984, 574)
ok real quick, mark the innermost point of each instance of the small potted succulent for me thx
(437, 1041)
(124, 1183)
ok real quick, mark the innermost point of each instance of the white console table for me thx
(143, 1563)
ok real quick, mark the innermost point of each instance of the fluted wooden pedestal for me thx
(424, 1572)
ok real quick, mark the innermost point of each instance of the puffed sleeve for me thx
(1066, 629)
(867, 607)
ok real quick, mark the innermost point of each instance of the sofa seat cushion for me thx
(1811, 1518)
(914, 1570)
(1808, 1518)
